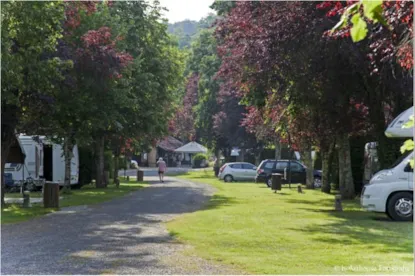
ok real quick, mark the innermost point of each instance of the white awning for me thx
(396, 129)
(192, 147)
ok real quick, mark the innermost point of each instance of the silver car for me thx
(237, 171)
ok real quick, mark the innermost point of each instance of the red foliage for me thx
(73, 9)
(100, 55)
(392, 43)
(182, 125)
(258, 41)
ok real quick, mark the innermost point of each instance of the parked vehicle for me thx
(298, 172)
(237, 171)
(390, 191)
(44, 162)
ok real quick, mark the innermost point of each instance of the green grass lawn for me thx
(87, 195)
(250, 227)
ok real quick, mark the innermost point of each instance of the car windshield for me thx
(399, 160)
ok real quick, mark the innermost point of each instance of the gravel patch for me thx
(124, 236)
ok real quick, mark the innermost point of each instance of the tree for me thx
(30, 31)
(390, 27)
(313, 82)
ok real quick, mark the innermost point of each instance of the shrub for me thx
(199, 160)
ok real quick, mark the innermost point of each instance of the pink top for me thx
(162, 165)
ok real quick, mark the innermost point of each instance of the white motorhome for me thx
(44, 160)
(391, 191)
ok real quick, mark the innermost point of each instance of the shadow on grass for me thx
(217, 201)
(355, 230)
(355, 226)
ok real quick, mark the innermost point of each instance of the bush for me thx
(199, 160)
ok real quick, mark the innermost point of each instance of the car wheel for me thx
(400, 207)
(228, 178)
(317, 182)
(269, 182)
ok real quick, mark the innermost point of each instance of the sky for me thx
(180, 10)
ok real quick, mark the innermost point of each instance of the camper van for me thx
(390, 191)
(44, 161)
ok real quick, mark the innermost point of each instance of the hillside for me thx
(186, 30)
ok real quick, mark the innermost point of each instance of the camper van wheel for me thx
(400, 206)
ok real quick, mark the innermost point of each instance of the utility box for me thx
(51, 195)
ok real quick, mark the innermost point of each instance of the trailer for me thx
(44, 162)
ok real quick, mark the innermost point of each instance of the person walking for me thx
(162, 168)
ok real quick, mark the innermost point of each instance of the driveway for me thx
(123, 236)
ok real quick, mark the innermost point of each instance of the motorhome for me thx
(390, 191)
(44, 161)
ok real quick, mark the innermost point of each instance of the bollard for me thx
(299, 189)
(26, 199)
(276, 182)
(338, 203)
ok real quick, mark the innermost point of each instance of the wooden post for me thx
(338, 203)
(51, 195)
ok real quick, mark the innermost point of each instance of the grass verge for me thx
(87, 195)
(250, 227)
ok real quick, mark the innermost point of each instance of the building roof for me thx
(169, 143)
(192, 147)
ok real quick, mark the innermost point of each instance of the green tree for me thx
(30, 32)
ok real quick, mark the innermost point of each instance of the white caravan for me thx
(391, 191)
(44, 160)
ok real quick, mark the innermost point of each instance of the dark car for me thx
(298, 172)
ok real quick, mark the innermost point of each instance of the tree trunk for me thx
(346, 184)
(116, 166)
(258, 152)
(326, 156)
(100, 162)
(277, 149)
(242, 151)
(308, 162)
(67, 151)
(7, 135)
(340, 162)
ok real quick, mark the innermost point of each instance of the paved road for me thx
(123, 236)
(154, 171)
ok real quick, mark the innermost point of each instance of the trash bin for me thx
(276, 181)
(51, 195)
(140, 176)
